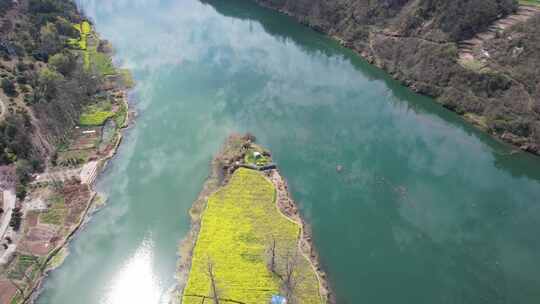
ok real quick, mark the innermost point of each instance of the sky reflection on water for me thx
(427, 208)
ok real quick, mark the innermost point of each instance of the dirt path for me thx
(86, 174)
(473, 48)
(58, 175)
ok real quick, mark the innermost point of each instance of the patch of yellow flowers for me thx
(240, 223)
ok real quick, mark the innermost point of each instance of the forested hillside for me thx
(63, 105)
(45, 82)
(423, 43)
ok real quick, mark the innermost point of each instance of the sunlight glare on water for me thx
(136, 282)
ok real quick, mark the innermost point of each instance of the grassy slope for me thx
(96, 114)
(238, 225)
(92, 58)
(56, 213)
(101, 63)
(95, 118)
(530, 2)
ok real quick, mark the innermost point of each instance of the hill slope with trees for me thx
(63, 105)
(46, 82)
(417, 42)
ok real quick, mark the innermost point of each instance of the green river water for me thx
(426, 210)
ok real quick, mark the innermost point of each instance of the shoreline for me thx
(93, 206)
(512, 141)
(223, 165)
(213, 182)
(289, 209)
(94, 200)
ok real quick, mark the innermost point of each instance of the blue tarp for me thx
(278, 300)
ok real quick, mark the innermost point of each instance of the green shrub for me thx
(9, 87)
(120, 116)
(64, 62)
(50, 41)
(66, 28)
(101, 63)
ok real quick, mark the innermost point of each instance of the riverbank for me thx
(266, 235)
(61, 200)
(496, 90)
(94, 203)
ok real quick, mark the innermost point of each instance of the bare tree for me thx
(290, 278)
(213, 285)
(271, 253)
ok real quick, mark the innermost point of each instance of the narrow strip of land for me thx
(249, 243)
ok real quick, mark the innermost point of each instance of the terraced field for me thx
(239, 226)
(471, 52)
(88, 44)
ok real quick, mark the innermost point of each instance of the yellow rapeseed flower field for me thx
(240, 222)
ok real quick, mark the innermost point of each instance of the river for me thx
(426, 209)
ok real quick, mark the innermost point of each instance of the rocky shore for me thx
(289, 209)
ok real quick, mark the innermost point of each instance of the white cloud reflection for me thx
(189, 31)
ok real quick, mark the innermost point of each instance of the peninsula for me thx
(248, 243)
